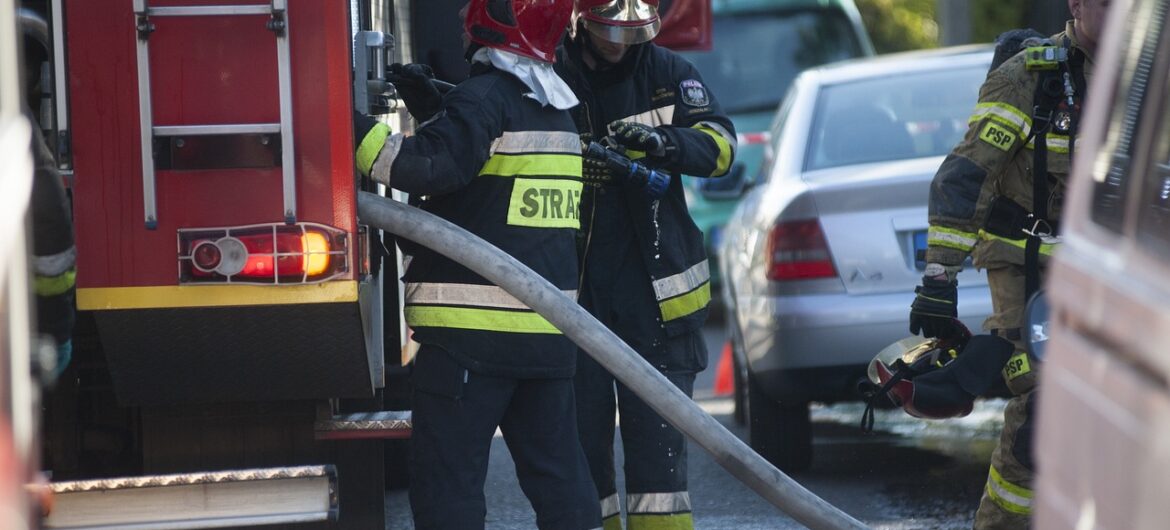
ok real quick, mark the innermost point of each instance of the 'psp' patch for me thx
(998, 136)
(694, 93)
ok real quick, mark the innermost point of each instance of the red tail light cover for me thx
(273, 253)
(797, 250)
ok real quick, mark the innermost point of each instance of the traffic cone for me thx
(724, 380)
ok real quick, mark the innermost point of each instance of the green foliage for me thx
(899, 25)
(989, 18)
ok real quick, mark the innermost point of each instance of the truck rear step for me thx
(387, 424)
(220, 499)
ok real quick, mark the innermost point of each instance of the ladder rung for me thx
(204, 130)
(203, 11)
(384, 424)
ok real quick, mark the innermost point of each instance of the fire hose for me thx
(605, 347)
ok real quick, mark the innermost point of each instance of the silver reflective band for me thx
(56, 264)
(954, 239)
(610, 506)
(731, 139)
(380, 172)
(537, 142)
(676, 502)
(652, 117)
(1005, 113)
(683, 282)
(466, 295)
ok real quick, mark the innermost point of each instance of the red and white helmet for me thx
(531, 28)
(621, 21)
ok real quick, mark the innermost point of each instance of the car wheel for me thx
(779, 432)
(739, 410)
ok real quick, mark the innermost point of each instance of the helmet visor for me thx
(623, 21)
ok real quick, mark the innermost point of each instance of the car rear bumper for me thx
(796, 341)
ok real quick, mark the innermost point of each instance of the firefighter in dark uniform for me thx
(983, 203)
(54, 254)
(500, 157)
(644, 267)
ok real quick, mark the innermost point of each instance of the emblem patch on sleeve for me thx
(997, 136)
(694, 93)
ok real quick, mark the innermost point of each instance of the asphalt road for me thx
(909, 474)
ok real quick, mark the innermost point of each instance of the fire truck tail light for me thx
(263, 254)
(206, 256)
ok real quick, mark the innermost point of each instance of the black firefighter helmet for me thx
(936, 378)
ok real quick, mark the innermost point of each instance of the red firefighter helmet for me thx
(531, 28)
(621, 21)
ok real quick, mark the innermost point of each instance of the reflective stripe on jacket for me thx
(995, 160)
(508, 170)
(657, 87)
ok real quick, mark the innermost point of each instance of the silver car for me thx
(822, 255)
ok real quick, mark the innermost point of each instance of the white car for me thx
(821, 257)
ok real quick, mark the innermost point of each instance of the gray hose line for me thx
(617, 357)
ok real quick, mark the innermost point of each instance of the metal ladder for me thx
(278, 24)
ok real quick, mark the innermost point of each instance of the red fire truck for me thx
(238, 352)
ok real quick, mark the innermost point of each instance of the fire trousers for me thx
(1007, 496)
(455, 415)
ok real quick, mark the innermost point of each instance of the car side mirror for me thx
(1036, 320)
(728, 187)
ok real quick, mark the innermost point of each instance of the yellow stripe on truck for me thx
(110, 298)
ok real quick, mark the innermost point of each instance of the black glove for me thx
(934, 309)
(415, 85)
(640, 137)
(596, 172)
(604, 163)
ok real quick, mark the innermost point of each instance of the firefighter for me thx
(54, 254)
(644, 266)
(499, 157)
(985, 202)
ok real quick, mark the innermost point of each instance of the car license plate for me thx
(920, 250)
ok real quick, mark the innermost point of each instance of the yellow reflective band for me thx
(1056, 143)
(1006, 114)
(545, 203)
(997, 135)
(554, 165)
(613, 522)
(478, 319)
(949, 237)
(685, 304)
(723, 162)
(1012, 498)
(369, 147)
(1045, 248)
(1016, 366)
(674, 521)
(55, 285)
(220, 295)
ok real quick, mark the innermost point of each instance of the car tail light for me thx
(266, 254)
(797, 250)
(753, 138)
